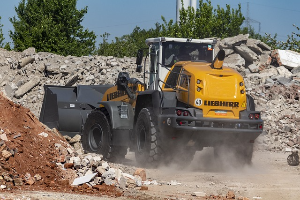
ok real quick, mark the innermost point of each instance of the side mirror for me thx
(139, 68)
(139, 57)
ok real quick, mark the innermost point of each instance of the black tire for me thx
(147, 151)
(96, 136)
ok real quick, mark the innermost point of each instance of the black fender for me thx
(250, 103)
(114, 110)
(146, 99)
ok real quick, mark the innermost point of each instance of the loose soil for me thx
(33, 153)
(28, 150)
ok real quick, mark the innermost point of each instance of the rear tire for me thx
(148, 151)
(96, 136)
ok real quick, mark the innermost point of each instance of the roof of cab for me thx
(165, 39)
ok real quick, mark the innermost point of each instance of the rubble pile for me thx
(25, 73)
(32, 155)
(26, 148)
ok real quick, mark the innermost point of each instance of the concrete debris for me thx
(287, 58)
(199, 194)
(84, 179)
(272, 78)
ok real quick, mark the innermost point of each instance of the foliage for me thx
(127, 45)
(204, 22)
(1, 35)
(51, 26)
(200, 23)
(293, 41)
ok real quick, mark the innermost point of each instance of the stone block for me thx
(230, 195)
(6, 154)
(140, 172)
(18, 181)
(228, 43)
(253, 68)
(76, 138)
(27, 87)
(289, 59)
(249, 55)
(26, 61)
(199, 194)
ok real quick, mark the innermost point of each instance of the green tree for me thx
(51, 26)
(127, 45)
(205, 21)
(1, 35)
(293, 41)
(200, 23)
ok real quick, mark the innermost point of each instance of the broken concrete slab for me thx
(264, 46)
(252, 44)
(289, 59)
(27, 87)
(84, 179)
(25, 61)
(253, 68)
(230, 42)
(234, 61)
(249, 55)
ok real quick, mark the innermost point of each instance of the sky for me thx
(120, 17)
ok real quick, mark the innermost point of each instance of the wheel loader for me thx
(186, 101)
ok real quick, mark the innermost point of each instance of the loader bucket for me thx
(66, 108)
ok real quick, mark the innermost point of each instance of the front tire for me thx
(148, 151)
(96, 136)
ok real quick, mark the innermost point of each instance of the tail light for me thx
(182, 113)
(178, 112)
(254, 116)
(251, 116)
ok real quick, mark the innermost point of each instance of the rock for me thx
(230, 195)
(27, 87)
(234, 61)
(253, 68)
(290, 59)
(18, 182)
(6, 154)
(249, 55)
(26, 61)
(140, 172)
(199, 194)
(84, 179)
(76, 138)
(233, 41)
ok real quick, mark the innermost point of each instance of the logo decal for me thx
(198, 102)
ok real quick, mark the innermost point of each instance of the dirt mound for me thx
(29, 152)
(27, 147)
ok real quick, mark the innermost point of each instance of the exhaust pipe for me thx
(218, 61)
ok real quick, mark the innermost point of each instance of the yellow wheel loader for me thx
(187, 100)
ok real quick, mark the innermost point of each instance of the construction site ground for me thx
(268, 178)
(29, 151)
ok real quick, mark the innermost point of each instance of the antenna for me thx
(249, 20)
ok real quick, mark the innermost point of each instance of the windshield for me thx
(183, 51)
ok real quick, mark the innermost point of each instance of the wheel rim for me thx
(95, 138)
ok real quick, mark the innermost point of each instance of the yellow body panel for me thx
(113, 94)
(220, 93)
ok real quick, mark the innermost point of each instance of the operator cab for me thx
(164, 52)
